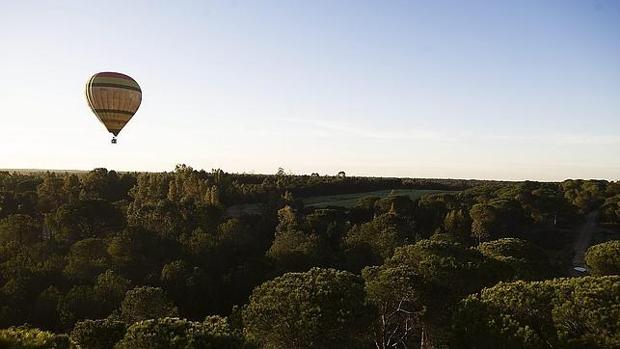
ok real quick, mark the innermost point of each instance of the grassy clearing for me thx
(350, 200)
(342, 200)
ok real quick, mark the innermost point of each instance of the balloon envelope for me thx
(114, 98)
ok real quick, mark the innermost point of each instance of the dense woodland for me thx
(153, 260)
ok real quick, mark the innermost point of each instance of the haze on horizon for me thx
(476, 89)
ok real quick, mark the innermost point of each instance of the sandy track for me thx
(583, 241)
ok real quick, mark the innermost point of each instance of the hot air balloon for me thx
(114, 98)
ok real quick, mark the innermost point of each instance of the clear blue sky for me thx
(467, 89)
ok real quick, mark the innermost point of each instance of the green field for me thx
(350, 200)
(341, 200)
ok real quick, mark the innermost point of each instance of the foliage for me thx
(446, 272)
(585, 195)
(610, 210)
(395, 293)
(143, 303)
(524, 260)
(97, 334)
(294, 250)
(321, 308)
(560, 313)
(604, 258)
(458, 223)
(20, 228)
(452, 267)
(171, 333)
(84, 219)
(484, 221)
(31, 338)
(74, 246)
(87, 258)
(380, 237)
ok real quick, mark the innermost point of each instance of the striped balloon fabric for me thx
(114, 98)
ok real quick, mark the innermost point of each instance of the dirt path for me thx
(583, 240)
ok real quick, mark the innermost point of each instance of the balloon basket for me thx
(113, 140)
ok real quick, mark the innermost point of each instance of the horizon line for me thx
(64, 170)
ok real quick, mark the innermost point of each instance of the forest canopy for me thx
(197, 259)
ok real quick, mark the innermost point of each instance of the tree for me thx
(110, 288)
(143, 303)
(364, 210)
(31, 338)
(394, 292)
(589, 316)
(321, 308)
(448, 272)
(20, 228)
(604, 259)
(585, 195)
(547, 204)
(137, 253)
(166, 218)
(458, 224)
(174, 333)
(484, 220)
(377, 238)
(97, 334)
(288, 219)
(294, 250)
(84, 219)
(51, 192)
(400, 205)
(449, 238)
(188, 287)
(80, 303)
(558, 313)
(328, 224)
(610, 211)
(87, 259)
(430, 213)
(107, 185)
(45, 310)
(8, 203)
(524, 260)
(72, 188)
